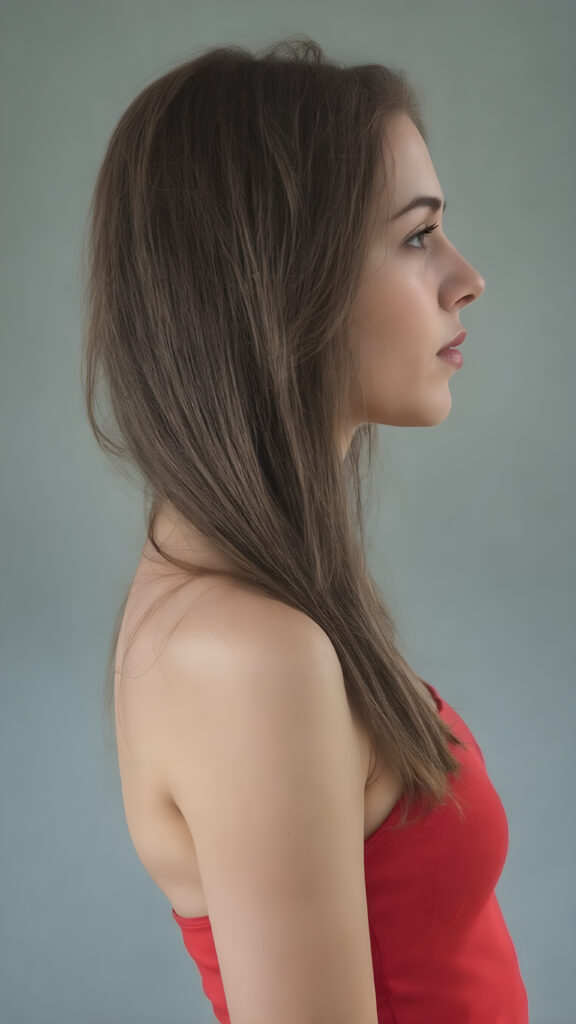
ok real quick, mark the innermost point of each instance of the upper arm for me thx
(267, 773)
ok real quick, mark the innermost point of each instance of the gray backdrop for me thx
(472, 531)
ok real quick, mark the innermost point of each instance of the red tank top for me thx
(441, 951)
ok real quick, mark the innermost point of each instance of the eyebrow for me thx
(433, 202)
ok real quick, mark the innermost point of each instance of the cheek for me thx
(393, 336)
(394, 345)
(400, 381)
(394, 310)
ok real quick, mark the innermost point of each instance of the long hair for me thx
(230, 225)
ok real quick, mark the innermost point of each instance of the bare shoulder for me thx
(253, 663)
(249, 622)
(216, 629)
(242, 634)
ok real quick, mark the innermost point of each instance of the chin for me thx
(433, 417)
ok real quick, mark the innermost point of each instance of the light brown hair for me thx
(230, 223)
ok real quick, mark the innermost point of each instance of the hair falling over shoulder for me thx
(229, 226)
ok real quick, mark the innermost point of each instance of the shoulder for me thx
(241, 649)
(243, 624)
(262, 657)
(236, 636)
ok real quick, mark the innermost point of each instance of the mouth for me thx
(452, 344)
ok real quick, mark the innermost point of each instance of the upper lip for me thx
(455, 341)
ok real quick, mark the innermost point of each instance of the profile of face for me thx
(409, 304)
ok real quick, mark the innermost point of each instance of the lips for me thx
(455, 341)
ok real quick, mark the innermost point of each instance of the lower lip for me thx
(452, 356)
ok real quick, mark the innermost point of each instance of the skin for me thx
(410, 301)
(407, 308)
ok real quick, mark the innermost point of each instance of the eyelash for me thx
(425, 231)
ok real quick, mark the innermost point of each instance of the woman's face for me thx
(410, 300)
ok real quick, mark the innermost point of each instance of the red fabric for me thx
(441, 951)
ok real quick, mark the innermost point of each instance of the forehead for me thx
(409, 163)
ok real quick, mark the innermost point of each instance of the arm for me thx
(267, 772)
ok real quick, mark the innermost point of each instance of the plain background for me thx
(471, 535)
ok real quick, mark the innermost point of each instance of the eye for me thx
(421, 234)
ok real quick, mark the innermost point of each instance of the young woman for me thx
(270, 278)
